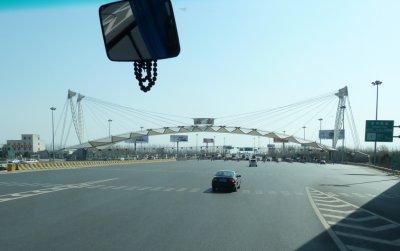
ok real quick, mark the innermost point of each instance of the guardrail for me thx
(386, 170)
(78, 164)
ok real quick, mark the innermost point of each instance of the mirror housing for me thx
(238, 175)
(139, 30)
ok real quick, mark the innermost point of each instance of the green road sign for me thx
(379, 130)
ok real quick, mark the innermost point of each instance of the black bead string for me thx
(151, 77)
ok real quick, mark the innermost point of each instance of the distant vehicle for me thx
(322, 161)
(253, 163)
(275, 159)
(288, 160)
(121, 159)
(30, 161)
(226, 179)
(15, 161)
(258, 158)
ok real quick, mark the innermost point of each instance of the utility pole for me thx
(52, 127)
(376, 83)
(343, 107)
(109, 127)
(196, 142)
(320, 128)
(141, 140)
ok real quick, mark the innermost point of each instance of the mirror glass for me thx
(139, 30)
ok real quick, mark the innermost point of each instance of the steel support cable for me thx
(95, 118)
(281, 115)
(351, 129)
(353, 122)
(246, 115)
(137, 110)
(280, 109)
(60, 118)
(303, 109)
(69, 131)
(121, 113)
(324, 107)
(269, 109)
(123, 109)
(107, 114)
(63, 128)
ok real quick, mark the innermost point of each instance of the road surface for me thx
(280, 206)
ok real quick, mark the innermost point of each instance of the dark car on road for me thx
(226, 180)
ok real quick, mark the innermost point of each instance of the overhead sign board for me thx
(379, 130)
(203, 121)
(279, 140)
(139, 139)
(227, 147)
(208, 140)
(328, 134)
(178, 138)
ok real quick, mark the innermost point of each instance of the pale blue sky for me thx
(237, 56)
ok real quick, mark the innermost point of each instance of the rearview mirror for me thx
(238, 175)
(137, 30)
(142, 31)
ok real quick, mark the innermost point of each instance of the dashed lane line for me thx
(20, 195)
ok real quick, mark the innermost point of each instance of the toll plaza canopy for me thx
(105, 142)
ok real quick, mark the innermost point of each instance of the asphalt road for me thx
(280, 206)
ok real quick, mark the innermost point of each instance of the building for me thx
(29, 143)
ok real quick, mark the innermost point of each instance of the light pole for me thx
(343, 107)
(197, 135)
(304, 132)
(320, 128)
(109, 127)
(376, 83)
(141, 141)
(52, 127)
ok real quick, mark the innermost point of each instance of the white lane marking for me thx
(181, 189)
(156, 189)
(359, 195)
(332, 205)
(347, 212)
(326, 201)
(365, 238)
(168, 189)
(131, 188)
(20, 195)
(194, 190)
(143, 188)
(348, 218)
(272, 192)
(334, 237)
(121, 187)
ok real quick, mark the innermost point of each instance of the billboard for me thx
(328, 134)
(178, 138)
(379, 130)
(208, 140)
(279, 140)
(139, 139)
(203, 121)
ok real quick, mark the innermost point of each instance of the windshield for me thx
(225, 174)
(199, 125)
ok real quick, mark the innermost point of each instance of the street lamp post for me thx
(109, 127)
(343, 107)
(320, 128)
(304, 132)
(197, 135)
(52, 127)
(376, 83)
